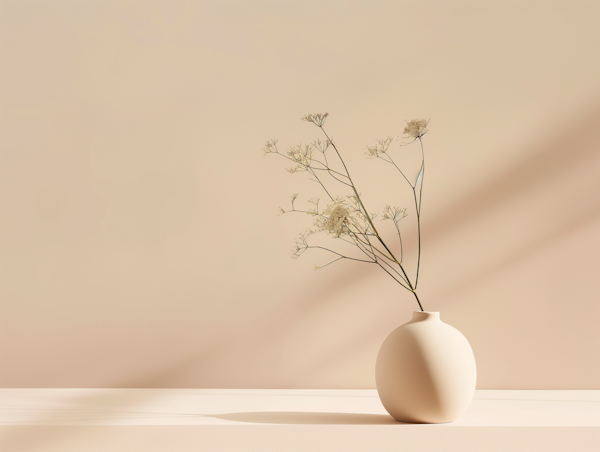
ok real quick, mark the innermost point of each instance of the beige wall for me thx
(140, 242)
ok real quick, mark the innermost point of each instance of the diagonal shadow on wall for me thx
(547, 162)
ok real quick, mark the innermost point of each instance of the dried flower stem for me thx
(418, 208)
(319, 181)
(410, 287)
(349, 216)
(418, 182)
(341, 255)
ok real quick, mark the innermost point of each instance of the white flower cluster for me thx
(317, 119)
(337, 219)
(302, 155)
(380, 148)
(300, 244)
(321, 146)
(393, 213)
(270, 147)
(416, 128)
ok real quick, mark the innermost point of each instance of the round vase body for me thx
(425, 371)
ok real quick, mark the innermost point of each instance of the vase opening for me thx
(425, 315)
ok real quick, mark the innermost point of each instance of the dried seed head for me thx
(393, 213)
(321, 146)
(302, 155)
(317, 119)
(270, 147)
(336, 219)
(380, 148)
(416, 128)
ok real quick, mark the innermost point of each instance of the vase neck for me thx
(420, 316)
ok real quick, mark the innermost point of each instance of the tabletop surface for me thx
(502, 408)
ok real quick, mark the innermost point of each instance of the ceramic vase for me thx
(425, 371)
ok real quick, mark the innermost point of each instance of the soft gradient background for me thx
(140, 244)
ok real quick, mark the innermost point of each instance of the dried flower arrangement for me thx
(346, 218)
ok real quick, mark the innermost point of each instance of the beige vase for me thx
(426, 371)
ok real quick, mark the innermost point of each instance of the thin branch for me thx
(418, 208)
(295, 210)
(341, 181)
(325, 169)
(394, 277)
(392, 258)
(392, 268)
(345, 257)
(422, 173)
(361, 248)
(419, 238)
(378, 263)
(319, 181)
(356, 237)
(394, 163)
(382, 255)
(323, 266)
(400, 239)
